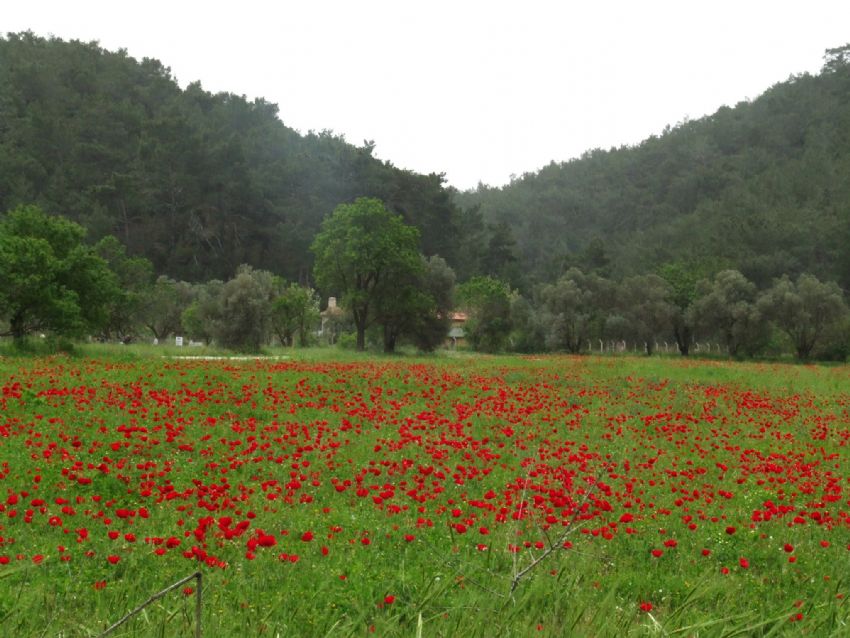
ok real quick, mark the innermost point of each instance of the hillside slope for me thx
(198, 183)
(763, 187)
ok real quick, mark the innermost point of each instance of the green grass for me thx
(653, 430)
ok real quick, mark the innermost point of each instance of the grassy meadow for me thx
(335, 494)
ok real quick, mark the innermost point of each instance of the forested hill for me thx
(763, 187)
(198, 183)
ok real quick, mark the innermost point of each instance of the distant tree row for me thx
(52, 281)
(580, 310)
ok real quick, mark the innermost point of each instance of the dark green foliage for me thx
(644, 303)
(725, 307)
(244, 310)
(488, 303)
(50, 280)
(431, 327)
(419, 308)
(369, 257)
(761, 187)
(294, 312)
(199, 318)
(135, 277)
(682, 278)
(197, 183)
(162, 305)
(575, 310)
(529, 326)
(806, 310)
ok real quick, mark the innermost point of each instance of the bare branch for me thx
(159, 595)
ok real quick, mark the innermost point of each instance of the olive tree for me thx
(807, 310)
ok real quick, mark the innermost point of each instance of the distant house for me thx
(457, 334)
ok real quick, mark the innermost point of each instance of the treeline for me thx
(391, 294)
(760, 187)
(53, 282)
(722, 314)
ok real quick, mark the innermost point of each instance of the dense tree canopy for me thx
(805, 309)
(198, 183)
(49, 279)
(366, 254)
(487, 302)
(761, 186)
(294, 313)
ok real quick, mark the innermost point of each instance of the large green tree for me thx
(726, 307)
(807, 310)
(643, 302)
(135, 278)
(575, 309)
(682, 278)
(487, 301)
(162, 305)
(49, 279)
(362, 251)
(294, 312)
(245, 305)
(418, 307)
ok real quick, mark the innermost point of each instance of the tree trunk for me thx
(360, 315)
(389, 340)
(683, 339)
(804, 350)
(17, 327)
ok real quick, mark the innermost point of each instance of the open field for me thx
(405, 497)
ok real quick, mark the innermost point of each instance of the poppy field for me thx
(510, 496)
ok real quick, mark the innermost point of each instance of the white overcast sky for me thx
(478, 89)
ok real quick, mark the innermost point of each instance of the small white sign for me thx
(178, 341)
